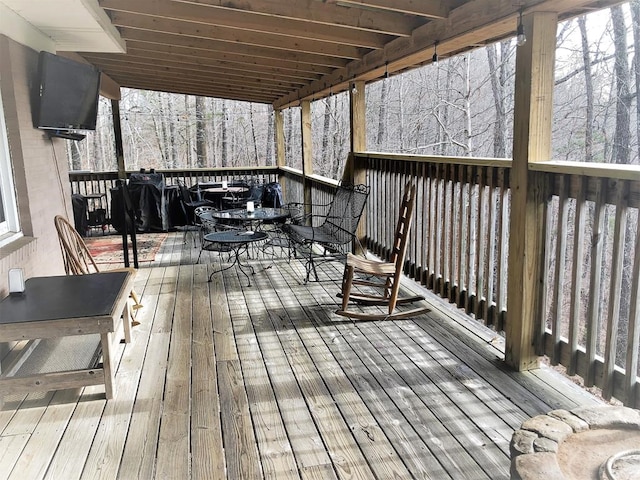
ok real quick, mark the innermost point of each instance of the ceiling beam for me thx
(248, 21)
(187, 89)
(153, 57)
(231, 48)
(438, 9)
(387, 22)
(139, 80)
(296, 69)
(234, 35)
(197, 69)
(170, 75)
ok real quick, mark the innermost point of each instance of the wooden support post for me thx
(532, 143)
(307, 152)
(354, 172)
(357, 117)
(117, 132)
(278, 116)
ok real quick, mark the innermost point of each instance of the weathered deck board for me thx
(138, 459)
(228, 381)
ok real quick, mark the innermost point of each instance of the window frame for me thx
(10, 227)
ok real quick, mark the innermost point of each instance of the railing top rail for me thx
(604, 170)
(608, 170)
(479, 161)
(314, 177)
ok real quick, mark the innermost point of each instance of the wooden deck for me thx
(225, 381)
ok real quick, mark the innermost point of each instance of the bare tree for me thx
(622, 80)
(224, 133)
(498, 73)
(383, 120)
(201, 133)
(588, 83)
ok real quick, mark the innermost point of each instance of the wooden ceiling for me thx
(282, 51)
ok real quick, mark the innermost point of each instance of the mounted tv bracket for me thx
(65, 134)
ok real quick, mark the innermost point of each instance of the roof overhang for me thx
(268, 51)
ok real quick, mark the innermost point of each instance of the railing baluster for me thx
(576, 279)
(549, 210)
(451, 253)
(481, 242)
(633, 336)
(597, 253)
(479, 250)
(561, 251)
(490, 245)
(444, 230)
(460, 282)
(469, 244)
(503, 248)
(613, 314)
(433, 227)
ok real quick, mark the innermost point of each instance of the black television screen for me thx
(67, 94)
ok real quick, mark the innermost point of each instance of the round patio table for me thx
(259, 215)
(237, 242)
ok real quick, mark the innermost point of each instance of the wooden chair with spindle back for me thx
(78, 259)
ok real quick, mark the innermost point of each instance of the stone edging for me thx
(533, 448)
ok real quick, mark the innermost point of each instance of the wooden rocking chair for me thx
(391, 271)
(78, 259)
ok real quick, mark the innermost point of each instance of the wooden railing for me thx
(86, 183)
(458, 243)
(101, 182)
(588, 320)
(322, 190)
(589, 307)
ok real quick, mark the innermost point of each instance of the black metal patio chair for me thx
(333, 233)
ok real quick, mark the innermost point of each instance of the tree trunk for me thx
(621, 154)
(635, 15)
(187, 133)
(171, 120)
(201, 133)
(496, 72)
(326, 125)
(382, 116)
(163, 137)
(622, 134)
(253, 135)
(588, 83)
(443, 111)
(76, 158)
(224, 134)
(270, 137)
(467, 104)
(288, 133)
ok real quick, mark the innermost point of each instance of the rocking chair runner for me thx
(391, 271)
(336, 230)
(78, 259)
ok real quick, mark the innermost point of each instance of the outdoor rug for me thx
(108, 248)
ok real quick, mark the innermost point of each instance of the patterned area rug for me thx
(108, 249)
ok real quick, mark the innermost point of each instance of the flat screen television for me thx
(66, 95)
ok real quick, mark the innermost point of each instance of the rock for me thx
(548, 427)
(522, 442)
(570, 419)
(608, 416)
(536, 466)
(545, 445)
